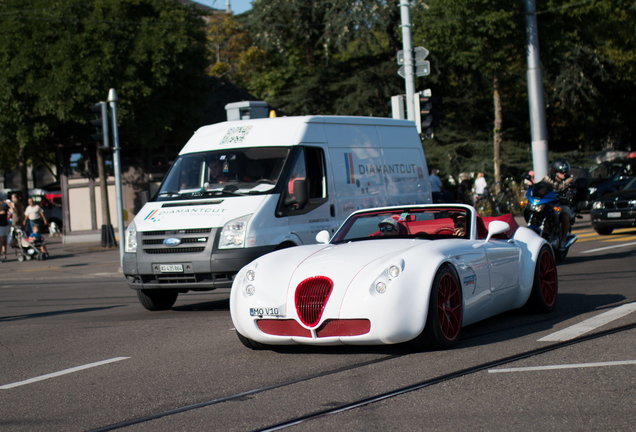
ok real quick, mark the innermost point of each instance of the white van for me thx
(241, 189)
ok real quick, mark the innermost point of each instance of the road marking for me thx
(37, 269)
(590, 324)
(62, 372)
(609, 247)
(621, 238)
(568, 366)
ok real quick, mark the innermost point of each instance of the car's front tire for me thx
(251, 344)
(157, 300)
(445, 312)
(545, 286)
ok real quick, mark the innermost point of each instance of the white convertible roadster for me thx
(395, 274)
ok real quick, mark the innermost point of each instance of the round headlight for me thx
(249, 290)
(394, 271)
(380, 287)
(250, 275)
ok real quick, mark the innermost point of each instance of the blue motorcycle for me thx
(542, 215)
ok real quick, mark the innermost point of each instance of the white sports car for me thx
(395, 274)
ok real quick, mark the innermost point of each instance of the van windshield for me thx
(248, 171)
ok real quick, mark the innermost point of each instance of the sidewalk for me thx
(83, 258)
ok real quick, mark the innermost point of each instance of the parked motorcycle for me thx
(542, 215)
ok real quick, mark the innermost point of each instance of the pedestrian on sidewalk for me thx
(34, 216)
(5, 229)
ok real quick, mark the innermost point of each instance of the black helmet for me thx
(560, 165)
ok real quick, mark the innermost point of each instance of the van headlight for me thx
(131, 238)
(233, 233)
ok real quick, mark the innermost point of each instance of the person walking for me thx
(480, 186)
(17, 211)
(436, 186)
(5, 229)
(34, 216)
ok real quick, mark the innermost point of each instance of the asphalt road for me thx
(185, 369)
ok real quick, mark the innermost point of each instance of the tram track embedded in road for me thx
(440, 379)
(365, 401)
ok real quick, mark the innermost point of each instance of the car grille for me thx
(616, 205)
(310, 298)
(152, 241)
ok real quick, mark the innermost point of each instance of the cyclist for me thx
(560, 180)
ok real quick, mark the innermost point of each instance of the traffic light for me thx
(101, 123)
(424, 112)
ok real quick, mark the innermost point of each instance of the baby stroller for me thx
(23, 248)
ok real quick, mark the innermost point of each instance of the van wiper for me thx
(171, 193)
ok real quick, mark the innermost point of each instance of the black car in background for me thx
(615, 210)
(618, 173)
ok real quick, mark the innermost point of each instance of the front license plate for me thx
(264, 312)
(614, 214)
(171, 268)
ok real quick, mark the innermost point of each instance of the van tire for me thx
(285, 245)
(251, 344)
(157, 300)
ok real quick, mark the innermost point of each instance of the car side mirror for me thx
(497, 227)
(323, 237)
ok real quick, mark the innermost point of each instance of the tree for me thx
(326, 57)
(589, 55)
(479, 46)
(57, 58)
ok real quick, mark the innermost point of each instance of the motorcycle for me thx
(542, 215)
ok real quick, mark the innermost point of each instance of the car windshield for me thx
(426, 223)
(249, 171)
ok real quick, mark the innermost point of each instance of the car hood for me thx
(625, 194)
(341, 263)
(204, 213)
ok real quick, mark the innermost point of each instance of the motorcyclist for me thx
(560, 181)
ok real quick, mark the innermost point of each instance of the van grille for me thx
(194, 278)
(174, 250)
(310, 298)
(191, 241)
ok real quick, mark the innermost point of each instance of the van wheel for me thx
(285, 245)
(251, 344)
(157, 300)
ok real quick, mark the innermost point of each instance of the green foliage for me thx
(326, 57)
(57, 58)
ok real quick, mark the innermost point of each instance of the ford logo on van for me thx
(172, 241)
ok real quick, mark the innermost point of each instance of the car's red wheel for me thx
(449, 306)
(545, 287)
(445, 312)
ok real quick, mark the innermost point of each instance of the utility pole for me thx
(536, 100)
(407, 46)
(112, 99)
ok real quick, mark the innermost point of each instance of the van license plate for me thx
(171, 268)
(613, 214)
